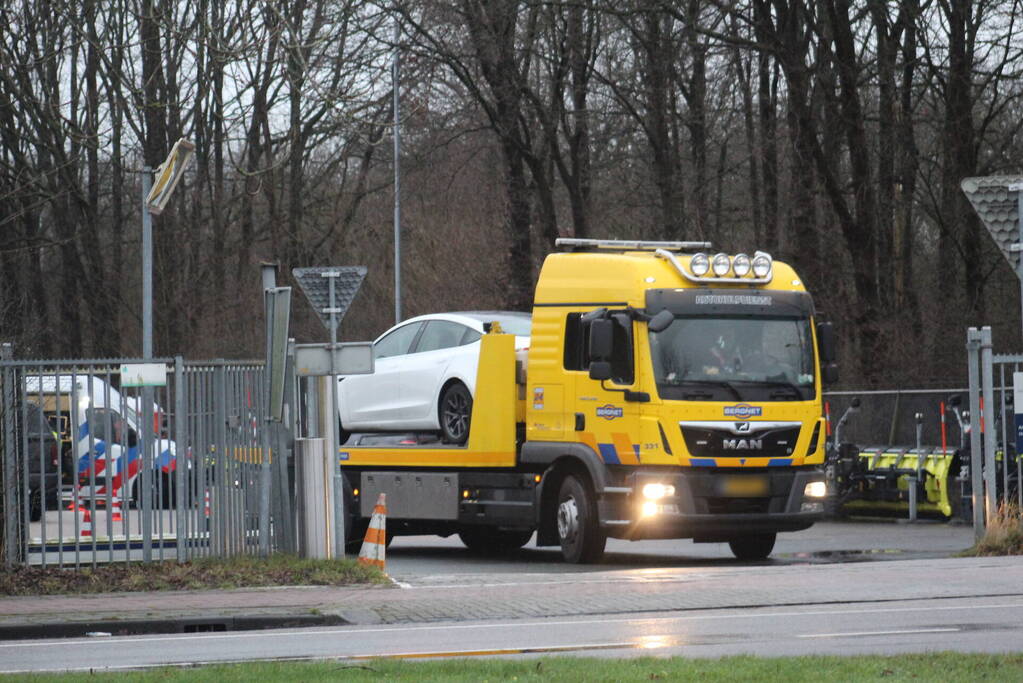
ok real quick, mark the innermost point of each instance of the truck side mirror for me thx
(600, 370)
(661, 321)
(601, 342)
(829, 373)
(826, 343)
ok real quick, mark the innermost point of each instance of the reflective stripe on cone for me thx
(85, 529)
(376, 536)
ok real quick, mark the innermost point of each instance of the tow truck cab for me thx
(689, 385)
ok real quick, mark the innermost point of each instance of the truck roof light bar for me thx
(762, 277)
(574, 243)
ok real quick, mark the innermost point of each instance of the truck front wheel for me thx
(756, 547)
(582, 540)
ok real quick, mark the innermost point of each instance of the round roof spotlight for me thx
(761, 264)
(720, 264)
(741, 265)
(699, 264)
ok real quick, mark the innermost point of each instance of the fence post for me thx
(10, 480)
(990, 434)
(218, 504)
(264, 468)
(973, 340)
(183, 465)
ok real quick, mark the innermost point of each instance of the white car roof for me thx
(473, 319)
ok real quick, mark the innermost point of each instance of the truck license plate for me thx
(744, 486)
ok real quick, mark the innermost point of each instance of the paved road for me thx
(838, 587)
(967, 605)
(417, 558)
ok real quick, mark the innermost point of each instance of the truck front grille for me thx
(723, 440)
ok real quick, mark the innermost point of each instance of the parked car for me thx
(47, 467)
(106, 426)
(424, 376)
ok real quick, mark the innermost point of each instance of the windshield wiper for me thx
(784, 389)
(713, 383)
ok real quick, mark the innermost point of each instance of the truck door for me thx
(610, 422)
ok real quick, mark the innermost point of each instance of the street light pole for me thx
(395, 72)
(147, 267)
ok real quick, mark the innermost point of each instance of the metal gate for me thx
(96, 471)
(994, 462)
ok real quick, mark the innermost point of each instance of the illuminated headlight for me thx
(699, 264)
(657, 491)
(741, 265)
(721, 264)
(761, 264)
(650, 509)
(815, 489)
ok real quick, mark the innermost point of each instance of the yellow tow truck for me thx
(667, 393)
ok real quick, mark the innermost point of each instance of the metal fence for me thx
(889, 418)
(95, 472)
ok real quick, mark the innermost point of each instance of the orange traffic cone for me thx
(115, 510)
(85, 529)
(372, 552)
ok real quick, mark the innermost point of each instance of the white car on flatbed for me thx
(424, 375)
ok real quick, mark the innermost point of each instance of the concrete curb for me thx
(134, 627)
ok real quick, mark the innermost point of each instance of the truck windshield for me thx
(729, 359)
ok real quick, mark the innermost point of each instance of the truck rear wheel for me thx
(756, 547)
(491, 540)
(582, 540)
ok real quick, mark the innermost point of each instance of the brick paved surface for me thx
(507, 596)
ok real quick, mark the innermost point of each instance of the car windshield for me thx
(520, 325)
(725, 359)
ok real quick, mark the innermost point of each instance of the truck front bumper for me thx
(712, 504)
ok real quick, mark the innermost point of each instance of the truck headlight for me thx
(650, 509)
(815, 489)
(657, 491)
(721, 264)
(741, 265)
(699, 264)
(761, 264)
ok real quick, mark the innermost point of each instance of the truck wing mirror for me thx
(600, 370)
(829, 373)
(661, 321)
(826, 343)
(601, 342)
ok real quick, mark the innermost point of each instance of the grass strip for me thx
(939, 666)
(208, 573)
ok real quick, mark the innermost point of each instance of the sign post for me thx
(330, 291)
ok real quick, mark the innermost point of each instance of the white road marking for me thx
(852, 634)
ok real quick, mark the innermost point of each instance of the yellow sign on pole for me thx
(168, 175)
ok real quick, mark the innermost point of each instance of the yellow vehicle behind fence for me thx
(666, 394)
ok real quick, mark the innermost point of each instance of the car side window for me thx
(397, 342)
(440, 334)
(104, 424)
(470, 336)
